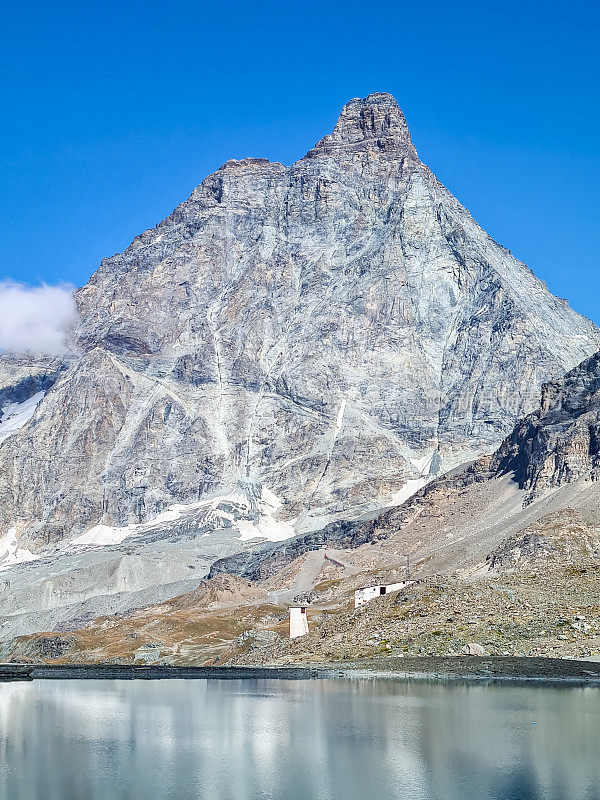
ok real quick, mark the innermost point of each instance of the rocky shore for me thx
(442, 669)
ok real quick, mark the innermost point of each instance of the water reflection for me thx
(296, 740)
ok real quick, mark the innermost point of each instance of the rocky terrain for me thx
(494, 571)
(286, 358)
(536, 595)
(548, 463)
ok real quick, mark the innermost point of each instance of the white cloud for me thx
(35, 319)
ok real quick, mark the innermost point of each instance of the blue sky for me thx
(113, 112)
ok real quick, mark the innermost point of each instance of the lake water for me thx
(296, 740)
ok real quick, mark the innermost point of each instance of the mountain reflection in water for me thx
(296, 740)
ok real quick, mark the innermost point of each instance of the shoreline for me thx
(457, 669)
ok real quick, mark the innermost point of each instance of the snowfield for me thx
(11, 553)
(16, 415)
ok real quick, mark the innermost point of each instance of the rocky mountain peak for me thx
(375, 121)
(335, 331)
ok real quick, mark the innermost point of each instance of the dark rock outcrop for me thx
(560, 442)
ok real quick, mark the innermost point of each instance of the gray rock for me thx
(473, 649)
(257, 638)
(326, 331)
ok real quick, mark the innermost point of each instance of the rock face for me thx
(560, 442)
(325, 332)
(499, 498)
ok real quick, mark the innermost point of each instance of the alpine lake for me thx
(323, 739)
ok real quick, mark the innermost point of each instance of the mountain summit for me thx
(290, 345)
(375, 121)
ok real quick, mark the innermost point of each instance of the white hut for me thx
(368, 593)
(298, 622)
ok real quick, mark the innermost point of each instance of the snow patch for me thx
(340, 418)
(101, 535)
(409, 488)
(423, 464)
(481, 311)
(11, 553)
(269, 498)
(234, 508)
(267, 527)
(16, 415)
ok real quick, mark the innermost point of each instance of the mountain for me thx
(498, 568)
(292, 346)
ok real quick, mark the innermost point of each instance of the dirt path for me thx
(306, 576)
